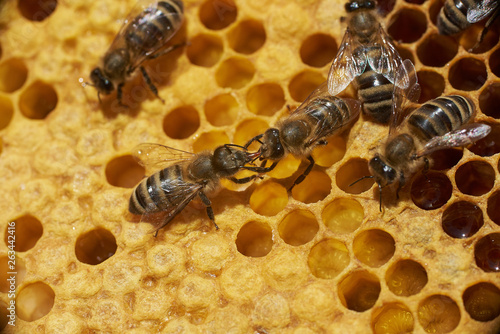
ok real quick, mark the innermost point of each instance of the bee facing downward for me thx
(148, 27)
(183, 176)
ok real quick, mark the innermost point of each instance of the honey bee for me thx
(183, 176)
(367, 56)
(437, 124)
(319, 116)
(148, 27)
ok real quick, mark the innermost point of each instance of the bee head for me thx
(101, 81)
(382, 172)
(229, 159)
(271, 147)
(354, 5)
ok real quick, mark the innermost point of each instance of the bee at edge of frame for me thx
(457, 15)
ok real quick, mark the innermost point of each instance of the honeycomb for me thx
(323, 259)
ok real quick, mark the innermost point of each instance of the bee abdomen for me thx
(440, 116)
(375, 92)
(453, 16)
(330, 110)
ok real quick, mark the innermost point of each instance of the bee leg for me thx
(119, 94)
(208, 204)
(243, 180)
(256, 138)
(426, 168)
(402, 182)
(262, 169)
(150, 84)
(156, 234)
(304, 174)
(486, 28)
(380, 197)
(167, 50)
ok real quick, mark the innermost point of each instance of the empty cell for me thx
(36, 10)
(437, 50)
(124, 172)
(210, 141)
(489, 145)
(431, 84)
(204, 50)
(248, 129)
(13, 74)
(318, 50)
(298, 227)
(445, 159)
(38, 100)
(487, 253)
(374, 247)
(407, 25)
(255, 239)
(218, 14)
(332, 152)
(34, 301)
(234, 73)
(438, 314)
(181, 122)
(265, 99)
(431, 190)
(494, 62)
(406, 278)
(6, 263)
(462, 219)
(26, 231)
(475, 178)
(316, 186)
(247, 36)
(268, 198)
(469, 39)
(359, 290)
(482, 301)
(343, 215)
(328, 258)
(489, 100)
(468, 74)
(95, 246)
(393, 318)
(352, 171)
(303, 84)
(222, 110)
(6, 111)
(493, 209)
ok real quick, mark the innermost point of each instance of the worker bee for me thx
(148, 27)
(367, 56)
(319, 116)
(437, 124)
(183, 176)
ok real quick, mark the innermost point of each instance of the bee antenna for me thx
(361, 179)
(380, 197)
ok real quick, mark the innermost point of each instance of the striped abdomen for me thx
(154, 26)
(375, 92)
(440, 116)
(453, 16)
(329, 112)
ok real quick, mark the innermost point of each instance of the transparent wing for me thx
(467, 135)
(349, 63)
(382, 55)
(406, 90)
(478, 10)
(154, 157)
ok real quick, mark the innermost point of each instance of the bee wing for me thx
(406, 90)
(383, 56)
(349, 63)
(156, 156)
(464, 136)
(478, 10)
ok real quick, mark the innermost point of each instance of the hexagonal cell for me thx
(298, 227)
(405, 53)
(489, 100)
(462, 220)
(181, 122)
(468, 74)
(255, 239)
(95, 246)
(234, 73)
(247, 36)
(34, 301)
(205, 50)
(432, 85)
(265, 99)
(469, 39)
(489, 145)
(124, 172)
(494, 62)
(38, 100)
(286, 167)
(210, 140)
(406, 278)
(352, 171)
(316, 187)
(7, 266)
(445, 159)
(392, 318)
(431, 190)
(374, 247)
(437, 50)
(222, 110)
(343, 215)
(268, 198)
(303, 84)
(359, 290)
(36, 10)
(407, 25)
(6, 111)
(332, 152)
(487, 252)
(328, 258)
(475, 178)
(438, 314)
(25, 233)
(13, 74)
(248, 129)
(482, 301)
(493, 208)
(318, 50)
(218, 14)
